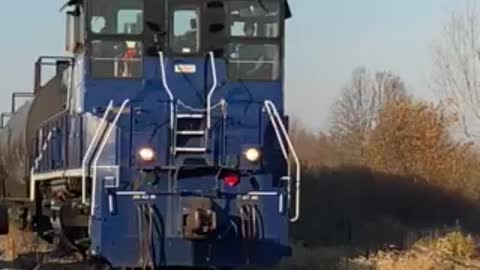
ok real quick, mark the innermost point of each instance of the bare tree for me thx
(316, 149)
(456, 63)
(357, 110)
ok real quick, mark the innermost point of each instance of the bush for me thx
(453, 245)
(453, 251)
(413, 139)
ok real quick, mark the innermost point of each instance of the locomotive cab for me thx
(118, 35)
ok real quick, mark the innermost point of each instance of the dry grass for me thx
(20, 242)
(454, 251)
(325, 258)
(406, 262)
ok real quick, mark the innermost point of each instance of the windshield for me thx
(117, 59)
(259, 62)
(116, 17)
(185, 37)
(254, 19)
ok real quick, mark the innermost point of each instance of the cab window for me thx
(253, 52)
(254, 19)
(117, 59)
(121, 56)
(185, 38)
(116, 17)
(258, 62)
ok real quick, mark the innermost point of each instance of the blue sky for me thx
(326, 40)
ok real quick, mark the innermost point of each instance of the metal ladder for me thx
(190, 134)
(192, 124)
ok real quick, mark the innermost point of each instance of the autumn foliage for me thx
(414, 139)
(407, 138)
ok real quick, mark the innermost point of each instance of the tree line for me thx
(377, 123)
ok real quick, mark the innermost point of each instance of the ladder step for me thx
(191, 149)
(190, 116)
(191, 132)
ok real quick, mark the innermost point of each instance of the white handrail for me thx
(212, 89)
(271, 115)
(275, 116)
(90, 148)
(165, 85)
(100, 150)
(170, 94)
(37, 163)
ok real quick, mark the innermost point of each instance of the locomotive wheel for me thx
(3, 220)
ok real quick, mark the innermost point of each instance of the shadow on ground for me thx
(351, 212)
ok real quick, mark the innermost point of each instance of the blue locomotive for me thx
(162, 140)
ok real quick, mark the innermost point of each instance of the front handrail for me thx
(100, 151)
(170, 94)
(280, 130)
(90, 149)
(212, 89)
(166, 86)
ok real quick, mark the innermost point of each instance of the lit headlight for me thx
(146, 154)
(252, 154)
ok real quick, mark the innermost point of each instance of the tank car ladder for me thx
(34, 175)
(36, 163)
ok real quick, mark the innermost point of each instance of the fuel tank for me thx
(18, 137)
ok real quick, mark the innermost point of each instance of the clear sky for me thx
(326, 41)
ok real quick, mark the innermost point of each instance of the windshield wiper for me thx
(262, 5)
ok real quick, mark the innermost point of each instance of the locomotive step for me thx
(191, 149)
(190, 116)
(191, 132)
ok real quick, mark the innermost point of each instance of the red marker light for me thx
(231, 179)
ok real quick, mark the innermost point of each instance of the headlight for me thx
(252, 154)
(146, 154)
